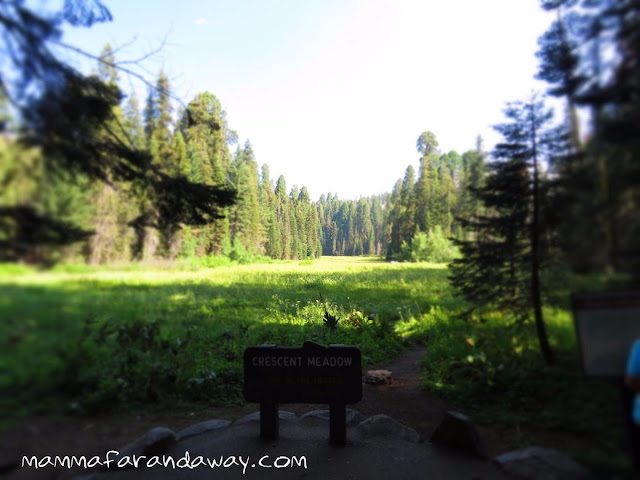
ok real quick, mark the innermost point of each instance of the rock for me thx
(538, 463)
(353, 416)
(202, 427)
(154, 442)
(457, 431)
(255, 417)
(378, 377)
(382, 425)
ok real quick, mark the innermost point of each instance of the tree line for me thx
(194, 142)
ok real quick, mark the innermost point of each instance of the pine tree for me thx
(204, 127)
(244, 216)
(407, 225)
(133, 126)
(558, 66)
(272, 242)
(380, 236)
(473, 173)
(283, 217)
(392, 221)
(501, 266)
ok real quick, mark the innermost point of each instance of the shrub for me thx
(429, 247)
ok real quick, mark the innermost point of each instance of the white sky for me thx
(334, 93)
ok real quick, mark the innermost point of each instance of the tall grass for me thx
(103, 339)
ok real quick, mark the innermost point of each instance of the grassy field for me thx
(95, 340)
(98, 340)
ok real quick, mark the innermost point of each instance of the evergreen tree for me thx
(558, 66)
(407, 225)
(473, 173)
(393, 221)
(107, 70)
(112, 211)
(501, 266)
(268, 221)
(204, 127)
(380, 237)
(424, 192)
(283, 217)
(244, 217)
(133, 126)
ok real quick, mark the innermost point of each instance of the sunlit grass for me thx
(102, 338)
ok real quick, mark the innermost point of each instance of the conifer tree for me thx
(283, 217)
(272, 241)
(501, 267)
(407, 225)
(204, 127)
(133, 127)
(244, 216)
(393, 221)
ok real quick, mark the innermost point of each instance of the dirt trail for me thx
(404, 399)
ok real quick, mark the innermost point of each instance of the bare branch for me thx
(119, 65)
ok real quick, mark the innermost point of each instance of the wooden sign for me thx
(607, 323)
(312, 373)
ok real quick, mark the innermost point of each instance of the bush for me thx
(429, 247)
(189, 244)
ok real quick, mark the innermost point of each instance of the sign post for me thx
(312, 373)
(607, 323)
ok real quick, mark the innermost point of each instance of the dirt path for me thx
(404, 399)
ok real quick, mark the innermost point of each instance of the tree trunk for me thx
(543, 339)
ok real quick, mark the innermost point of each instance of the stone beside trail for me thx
(377, 447)
(378, 377)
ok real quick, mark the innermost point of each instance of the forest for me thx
(267, 219)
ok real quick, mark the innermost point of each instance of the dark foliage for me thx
(590, 57)
(70, 118)
(22, 228)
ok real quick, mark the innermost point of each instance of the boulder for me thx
(255, 417)
(353, 416)
(458, 432)
(378, 377)
(382, 425)
(202, 427)
(538, 463)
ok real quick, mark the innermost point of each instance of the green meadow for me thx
(82, 340)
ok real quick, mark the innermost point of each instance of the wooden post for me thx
(269, 420)
(337, 424)
(311, 374)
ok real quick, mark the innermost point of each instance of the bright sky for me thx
(334, 93)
